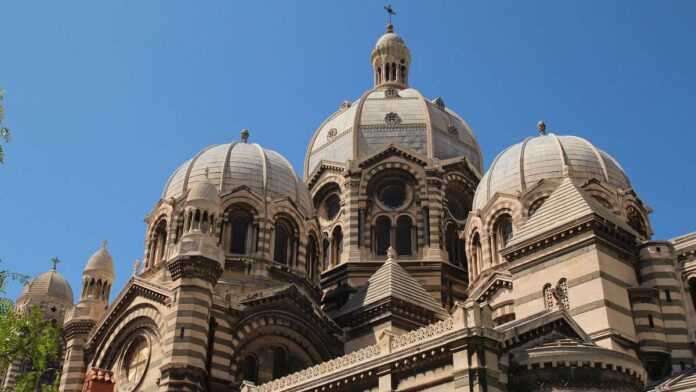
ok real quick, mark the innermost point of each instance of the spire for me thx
(391, 58)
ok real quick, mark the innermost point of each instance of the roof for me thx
(393, 281)
(566, 204)
(684, 381)
(547, 156)
(50, 286)
(226, 167)
(406, 119)
(100, 263)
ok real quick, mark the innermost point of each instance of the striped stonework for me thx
(186, 337)
(658, 271)
(73, 373)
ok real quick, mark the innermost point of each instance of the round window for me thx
(135, 361)
(331, 206)
(393, 194)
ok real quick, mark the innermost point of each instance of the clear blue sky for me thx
(105, 99)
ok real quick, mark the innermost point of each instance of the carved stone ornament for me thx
(332, 133)
(391, 93)
(392, 119)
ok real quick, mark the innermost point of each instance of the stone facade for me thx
(397, 265)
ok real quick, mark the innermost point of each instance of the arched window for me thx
(404, 235)
(337, 249)
(312, 257)
(325, 251)
(386, 72)
(382, 234)
(458, 200)
(502, 235)
(240, 231)
(379, 75)
(635, 220)
(548, 296)
(280, 362)
(205, 223)
(454, 246)
(393, 71)
(159, 241)
(250, 368)
(284, 248)
(536, 205)
(476, 254)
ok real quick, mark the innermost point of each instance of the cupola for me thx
(391, 60)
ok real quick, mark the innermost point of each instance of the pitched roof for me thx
(566, 204)
(393, 281)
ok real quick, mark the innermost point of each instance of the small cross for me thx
(104, 243)
(55, 262)
(390, 11)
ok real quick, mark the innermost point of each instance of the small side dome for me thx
(50, 286)
(100, 264)
(548, 156)
(220, 169)
(203, 191)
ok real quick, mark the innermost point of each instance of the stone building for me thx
(398, 264)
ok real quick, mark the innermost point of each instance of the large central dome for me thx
(392, 114)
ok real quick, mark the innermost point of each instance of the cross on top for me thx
(390, 11)
(55, 262)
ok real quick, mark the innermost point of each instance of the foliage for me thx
(4, 131)
(29, 339)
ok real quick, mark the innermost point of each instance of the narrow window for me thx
(311, 257)
(651, 322)
(382, 234)
(337, 245)
(284, 242)
(668, 295)
(280, 362)
(404, 229)
(240, 228)
(251, 369)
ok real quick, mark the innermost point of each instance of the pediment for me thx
(390, 151)
(324, 166)
(540, 329)
(488, 286)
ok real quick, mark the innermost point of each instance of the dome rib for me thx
(547, 156)
(225, 167)
(599, 158)
(523, 183)
(190, 167)
(428, 126)
(264, 172)
(356, 120)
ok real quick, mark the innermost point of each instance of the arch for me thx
(312, 256)
(458, 200)
(158, 242)
(284, 241)
(502, 233)
(382, 235)
(327, 201)
(280, 362)
(250, 368)
(337, 245)
(636, 221)
(536, 204)
(240, 230)
(455, 246)
(326, 253)
(404, 235)
(476, 253)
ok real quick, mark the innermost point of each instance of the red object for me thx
(99, 380)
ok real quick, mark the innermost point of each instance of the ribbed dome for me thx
(391, 116)
(100, 263)
(389, 39)
(522, 165)
(50, 286)
(226, 167)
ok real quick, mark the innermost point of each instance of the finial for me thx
(244, 135)
(104, 243)
(55, 262)
(541, 127)
(136, 267)
(390, 12)
(391, 254)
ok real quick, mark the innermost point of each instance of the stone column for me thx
(185, 343)
(351, 242)
(386, 383)
(72, 377)
(434, 198)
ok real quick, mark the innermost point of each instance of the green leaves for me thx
(29, 339)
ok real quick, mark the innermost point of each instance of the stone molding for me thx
(195, 267)
(74, 328)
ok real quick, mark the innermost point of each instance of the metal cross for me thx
(390, 11)
(55, 262)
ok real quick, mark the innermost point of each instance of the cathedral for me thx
(398, 264)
